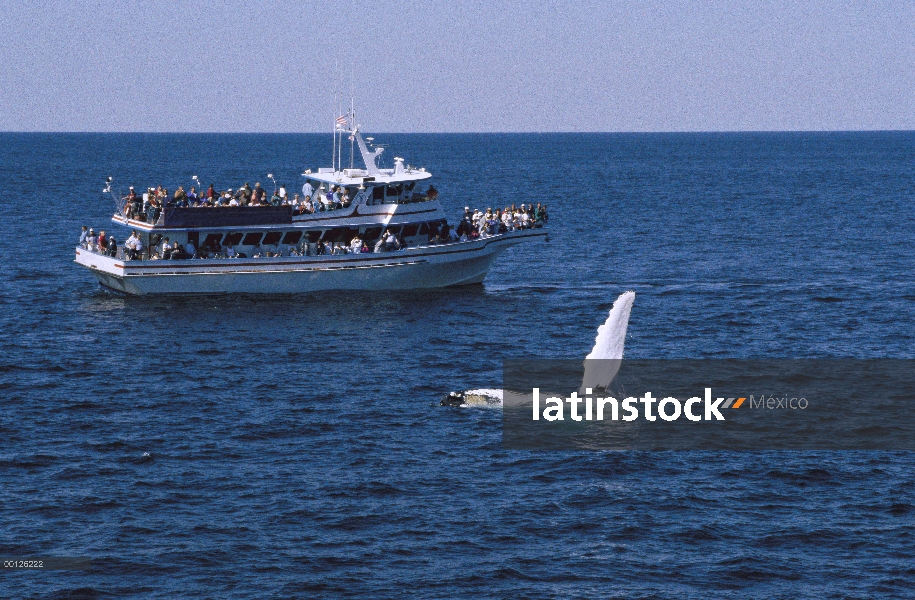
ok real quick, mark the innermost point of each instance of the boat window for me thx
(212, 240)
(232, 239)
(292, 237)
(378, 193)
(409, 186)
(371, 233)
(423, 229)
(394, 192)
(410, 230)
(272, 237)
(339, 235)
(313, 236)
(252, 238)
(193, 237)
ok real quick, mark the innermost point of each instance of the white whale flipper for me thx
(603, 363)
(608, 346)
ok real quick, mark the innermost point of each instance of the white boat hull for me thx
(460, 263)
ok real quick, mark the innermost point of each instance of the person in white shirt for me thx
(507, 219)
(134, 246)
(390, 242)
(167, 248)
(307, 190)
(282, 193)
(326, 202)
(355, 245)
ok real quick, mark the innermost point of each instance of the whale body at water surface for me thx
(608, 348)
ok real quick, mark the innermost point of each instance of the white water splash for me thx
(608, 347)
(482, 396)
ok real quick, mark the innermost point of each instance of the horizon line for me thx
(374, 132)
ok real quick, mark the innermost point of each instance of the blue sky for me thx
(457, 66)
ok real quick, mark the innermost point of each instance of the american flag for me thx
(341, 120)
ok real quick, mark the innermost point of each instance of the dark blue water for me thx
(295, 444)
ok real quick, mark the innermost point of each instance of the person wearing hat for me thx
(112, 248)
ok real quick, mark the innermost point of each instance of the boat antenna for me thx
(195, 178)
(352, 137)
(340, 125)
(352, 114)
(333, 151)
(270, 177)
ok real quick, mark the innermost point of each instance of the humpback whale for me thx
(609, 344)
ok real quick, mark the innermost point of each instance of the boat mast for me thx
(352, 138)
(352, 112)
(339, 164)
(333, 151)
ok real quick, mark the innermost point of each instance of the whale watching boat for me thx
(353, 229)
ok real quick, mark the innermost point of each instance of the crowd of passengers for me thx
(134, 248)
(150, 204)
(474, 224)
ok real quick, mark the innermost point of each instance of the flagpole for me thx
(333, 152)
(352, 138)
(340, 112)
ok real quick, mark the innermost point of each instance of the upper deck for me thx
(330, 195)
(356, 177)
(365, 212)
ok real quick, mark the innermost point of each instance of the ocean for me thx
(294, 446)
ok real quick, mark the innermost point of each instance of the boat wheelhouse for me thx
(354, 229)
